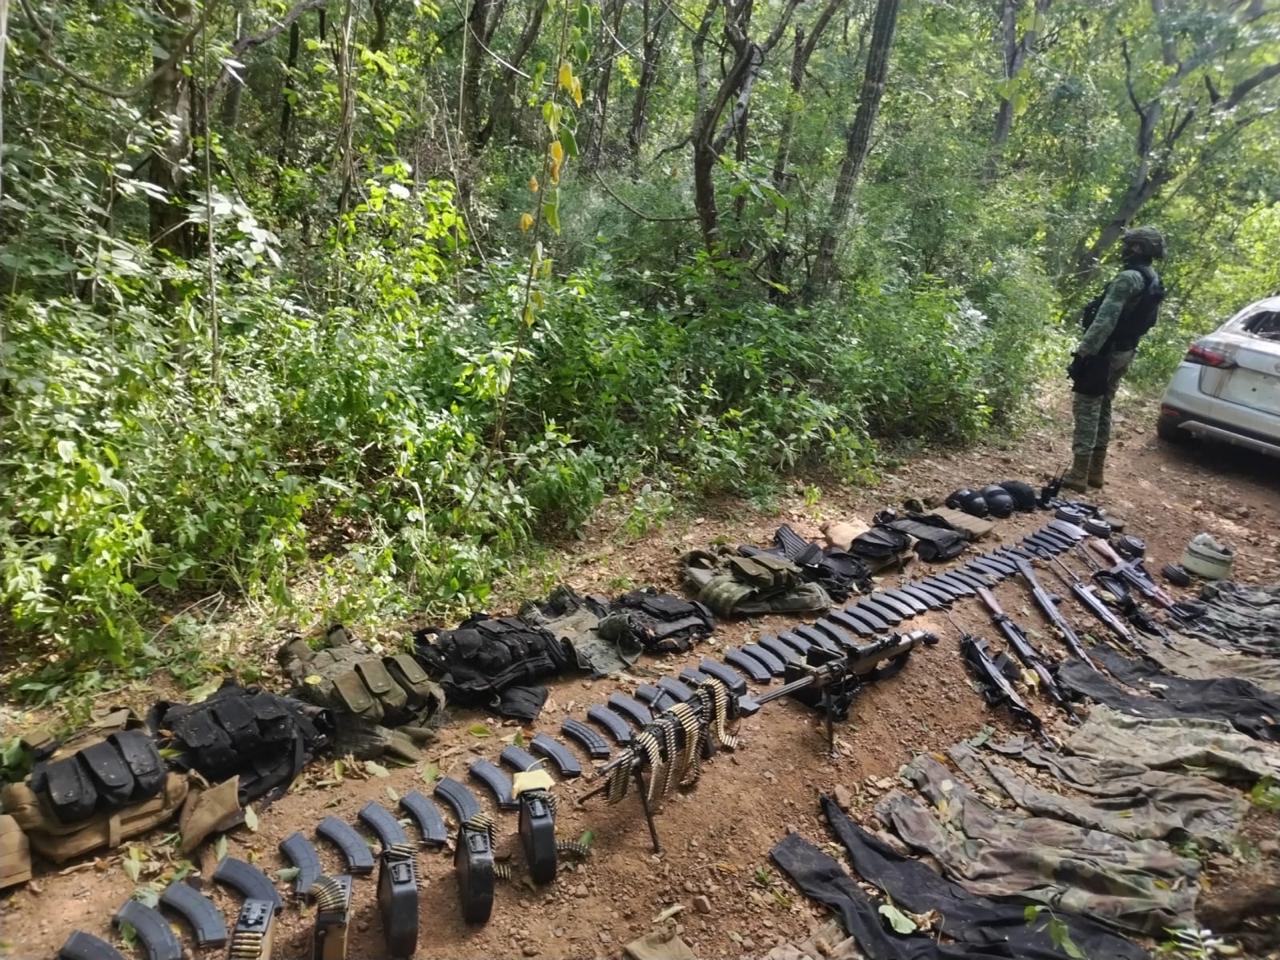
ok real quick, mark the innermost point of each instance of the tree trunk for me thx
(474, 32)
(859, 137)
(799, 62)
(1168, 44)
(736, 85)
(379, 10)
(600, 89)
(500, 122)
(170, 111)
(1014, 50)
(654, 33)
(1009, 54)
(290, 89)
(231, 102)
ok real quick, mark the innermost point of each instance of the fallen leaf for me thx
(377, 769)
(900, 922)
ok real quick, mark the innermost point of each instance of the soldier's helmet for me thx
(1147, 239)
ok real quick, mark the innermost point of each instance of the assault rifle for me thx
(670, 750)
(1133, 573)
(1123, 598)
(997, 688)
(1089, 599)
(1048, 605)
(1032, 659)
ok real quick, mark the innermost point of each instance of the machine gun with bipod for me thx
(1032, 659)
(1048, 605)
(670, 750)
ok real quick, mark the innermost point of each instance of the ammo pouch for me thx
(736, 585)
(59, 841)
(107, 775)
(665, 623)
(263, 738)
(393, 690)
(933, 543)
(488, 654)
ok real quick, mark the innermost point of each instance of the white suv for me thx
(1228, 385)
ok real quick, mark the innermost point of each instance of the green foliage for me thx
(1059, 932)
(1266, 795)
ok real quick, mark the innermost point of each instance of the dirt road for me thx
(715, 838)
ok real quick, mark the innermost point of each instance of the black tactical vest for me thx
(1138, 316)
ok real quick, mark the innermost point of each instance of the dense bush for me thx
(359, 427)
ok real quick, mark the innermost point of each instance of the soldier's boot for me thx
(1077, 478)
(1097, 467)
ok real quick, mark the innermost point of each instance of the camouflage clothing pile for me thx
(1247, 707)
(1244, 619)
(1137, 885)
(1129, 801)
(1193, 745)
(1197, 659)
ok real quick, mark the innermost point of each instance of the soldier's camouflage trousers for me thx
(1137, 885)
(1093, 414)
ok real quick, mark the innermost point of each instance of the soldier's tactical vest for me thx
(1138, 316)
(263, 738)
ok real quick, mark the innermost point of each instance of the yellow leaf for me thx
(557, 152)
(566, 76)
(526, 221)
(313, 679)
(533, 184)
(576, 91)
(554, 173)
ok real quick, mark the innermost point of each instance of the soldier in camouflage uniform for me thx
(1115, 322)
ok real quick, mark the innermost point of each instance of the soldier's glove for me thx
(378, 703)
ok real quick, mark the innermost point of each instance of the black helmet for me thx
(1024, 495)
(968, 501)
(998, 500)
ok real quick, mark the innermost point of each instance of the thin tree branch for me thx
(48, 40)
(638, 213)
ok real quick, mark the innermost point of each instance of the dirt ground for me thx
(716, 837)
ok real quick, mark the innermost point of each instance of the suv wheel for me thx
(1167, 429)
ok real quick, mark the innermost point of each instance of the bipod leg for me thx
(829, 709)
(648, 814)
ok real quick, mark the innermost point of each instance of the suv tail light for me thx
(1208, 356)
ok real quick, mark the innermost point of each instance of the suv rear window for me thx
(1265, 324)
